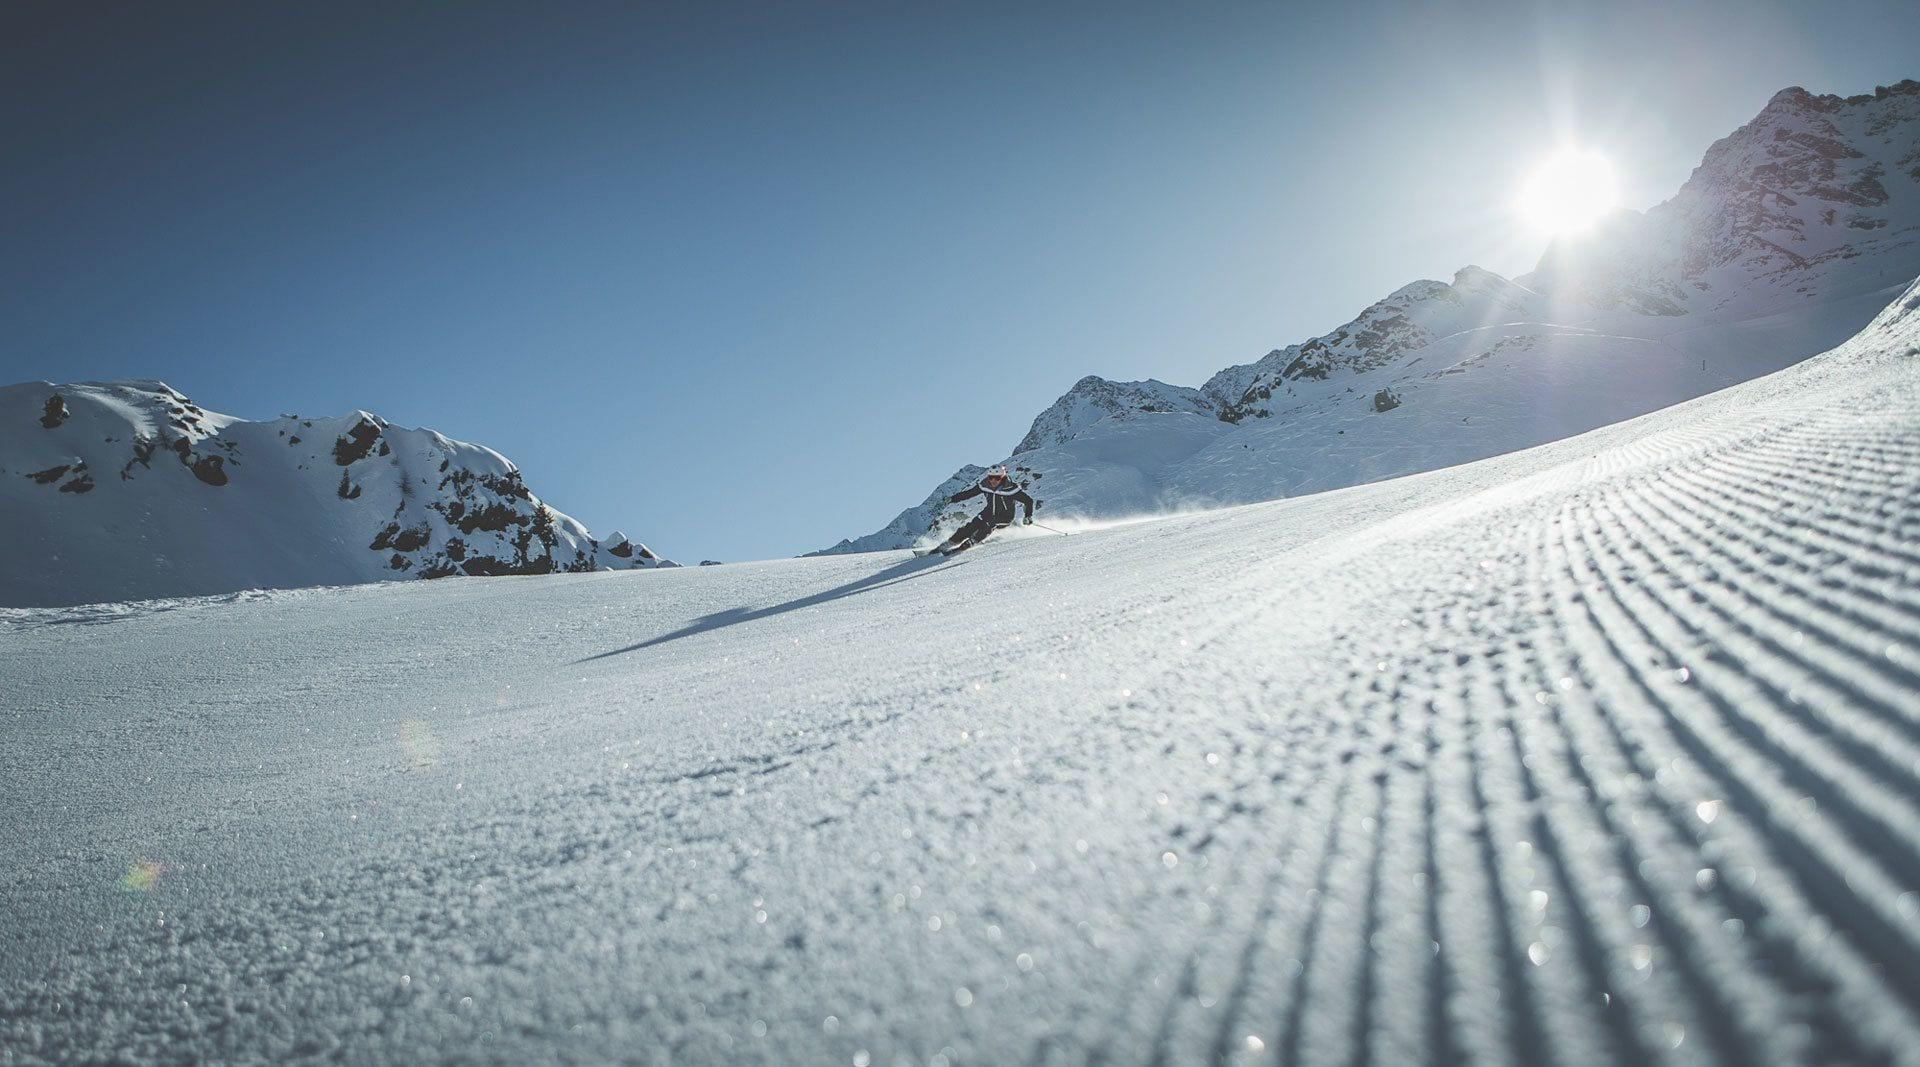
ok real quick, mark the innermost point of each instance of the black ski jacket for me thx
(1000, 502)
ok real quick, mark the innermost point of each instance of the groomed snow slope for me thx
(1602, 752)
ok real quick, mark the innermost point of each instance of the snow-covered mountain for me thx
(1815, 198)
(127, 490)
(1601, 753)
(1093, 398)
(1789, 236)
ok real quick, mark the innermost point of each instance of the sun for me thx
(1569, 192)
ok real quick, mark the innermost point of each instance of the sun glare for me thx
(1569, 192)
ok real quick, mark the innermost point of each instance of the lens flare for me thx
(142, 877)
(1569, 192)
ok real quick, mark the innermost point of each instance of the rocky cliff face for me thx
(1809, 200)
(1407, 321)
(1786, 239)
(120, 490)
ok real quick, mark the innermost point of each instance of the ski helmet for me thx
(998, 470)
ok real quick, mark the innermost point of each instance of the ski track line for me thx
(1722, 1026)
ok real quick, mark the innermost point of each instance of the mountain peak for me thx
(1814, 185)
(128, 490)
(1795, 98)
(1481, 281)
(1094, 398)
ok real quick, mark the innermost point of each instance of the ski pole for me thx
(1044, 526)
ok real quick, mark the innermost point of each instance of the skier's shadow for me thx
(905, 570)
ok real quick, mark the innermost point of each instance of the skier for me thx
(1002, 493)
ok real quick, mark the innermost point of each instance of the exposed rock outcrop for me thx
(254, 504)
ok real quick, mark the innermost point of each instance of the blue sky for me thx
(742, 280)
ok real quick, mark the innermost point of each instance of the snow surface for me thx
(1605, 751)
